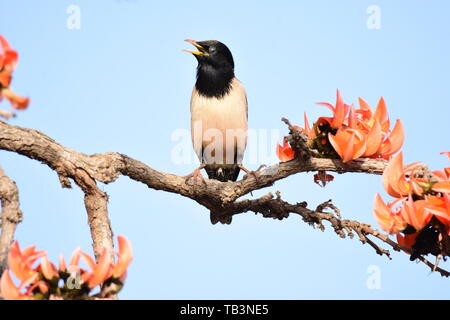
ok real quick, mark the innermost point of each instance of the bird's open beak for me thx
(201, 51)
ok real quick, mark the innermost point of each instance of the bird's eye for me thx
(212, 50)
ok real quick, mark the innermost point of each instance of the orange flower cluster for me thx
(351, 133)
(43, 281)
(356, 133)
(8, 62)
(421, 210)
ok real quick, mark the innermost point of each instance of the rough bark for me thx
(221, 198)
(11, 216)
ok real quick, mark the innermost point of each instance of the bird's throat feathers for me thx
(212, 81)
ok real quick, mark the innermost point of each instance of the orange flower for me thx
(285, 152)
(42, 285)
(387, 217)
(44, 280)
(9, 289)
(358, 133)
(62, 263)
(21, 262)
(394, 141)
(439, 207)
(339, 112)
(18, 102)
(374, 138)
(5, 80)
(381, 115)
(394, 178)
(307, 130)
(8, 62)
(416, 213)
(104, 269)
(99, 271)
(48, 269)
(125, 256)
(382, 142)
(442, 186)
(349, 143)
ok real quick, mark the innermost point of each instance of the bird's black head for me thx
(215, 69)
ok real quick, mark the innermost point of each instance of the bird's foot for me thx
(196, 175)
(251, 173)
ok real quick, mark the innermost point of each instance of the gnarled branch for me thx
(221, 198)
(107, 167)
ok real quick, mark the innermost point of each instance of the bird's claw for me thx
(252, 173)
(196, 175)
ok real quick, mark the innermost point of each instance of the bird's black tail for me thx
(223, 172)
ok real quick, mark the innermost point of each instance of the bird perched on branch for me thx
(219, 113)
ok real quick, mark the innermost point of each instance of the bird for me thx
(219, 113)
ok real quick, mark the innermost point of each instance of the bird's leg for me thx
(248, 172)
(196, 174)
(438, 259)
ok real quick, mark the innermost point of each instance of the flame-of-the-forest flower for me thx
(12, 292)
(99, 271)
(285, 152)
(416, 213)
(395, 182)
(8, 62)
(349, 134)
(421, 209)
(355, 133)
(18, 102)
(349, 143)
(307, 130)
(21, 262)
(382, 142)
(388, 216)
(439, 206)
(46, 281)
(367, 134)
(340, 111)
(48, 269)
(124, 257)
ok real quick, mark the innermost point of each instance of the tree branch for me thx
(107, 167)
(11, 216)
(96, 203)
(274, 207)
(220, 198)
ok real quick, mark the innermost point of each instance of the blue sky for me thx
(121, 83)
